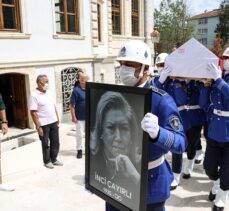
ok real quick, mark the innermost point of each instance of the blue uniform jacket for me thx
(217, 97)
(176, 90)
(171, 138)
(196, 116)
(185, 95)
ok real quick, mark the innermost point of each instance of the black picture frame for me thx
(124, 194)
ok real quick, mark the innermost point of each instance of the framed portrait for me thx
(116, 147)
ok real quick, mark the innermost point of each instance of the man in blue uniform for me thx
(4, 130)
(214, 99)
(175, 89)
(186, 95)
(163, 124)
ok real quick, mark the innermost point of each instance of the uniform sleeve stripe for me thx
(221, 84)
(170, 139)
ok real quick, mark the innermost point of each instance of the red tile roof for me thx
(209, 14)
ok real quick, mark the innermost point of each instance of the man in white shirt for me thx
(45, 117)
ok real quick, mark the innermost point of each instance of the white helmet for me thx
(135, 51)
(226, 52)
(161, 58)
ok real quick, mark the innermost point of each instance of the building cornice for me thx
(43, 62)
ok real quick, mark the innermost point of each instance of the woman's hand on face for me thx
(124, 164)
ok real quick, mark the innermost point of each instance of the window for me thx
(202, 31)
(204, 41)
(99, 21)
(67, 16)
(203, 21)
(68, 79)
(9, 15)
(135, 18)
(116, 16)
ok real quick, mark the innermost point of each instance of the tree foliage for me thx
(217, 45)
(173, 23)
(223, 27)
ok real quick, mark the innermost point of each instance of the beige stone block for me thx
(95, 25)
(94, 16)
(94, 34)
(19, 157)
(94, 7)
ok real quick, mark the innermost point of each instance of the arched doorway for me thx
(13, 89)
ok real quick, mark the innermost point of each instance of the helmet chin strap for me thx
(141, 71)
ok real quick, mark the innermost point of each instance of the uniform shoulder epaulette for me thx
(159, 91)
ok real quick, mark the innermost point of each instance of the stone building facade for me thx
(56, 37)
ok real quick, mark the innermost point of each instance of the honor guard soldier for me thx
(186, 95)
(215, 100)
(163, 124)
(175, 89)
(197, 119)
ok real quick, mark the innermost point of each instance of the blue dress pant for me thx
(193, 136)
(216, 162)
(176, 163)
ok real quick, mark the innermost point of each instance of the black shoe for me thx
(198, 161)
(173, 187)
(215, 208)
(186, 176)
(211, 196)
(79, 154)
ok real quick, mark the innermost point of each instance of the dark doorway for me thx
(13, 89)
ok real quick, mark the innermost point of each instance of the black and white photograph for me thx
(114, 105)
(115, 143)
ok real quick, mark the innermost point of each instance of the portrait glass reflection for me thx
(116, 145)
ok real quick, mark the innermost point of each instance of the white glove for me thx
(214, 70)
(150, 125)
(164, 74)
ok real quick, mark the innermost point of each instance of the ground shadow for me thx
(79, 179)
(191, 201)
(67, 152)
(196, 184)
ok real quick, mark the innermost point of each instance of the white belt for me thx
(155, 163)
(221, 113)
(188, 107)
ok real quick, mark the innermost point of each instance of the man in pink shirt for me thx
(45, 117)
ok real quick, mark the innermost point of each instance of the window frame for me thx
(204, 41)
(135, 16)
(203, 21)
(65, 14)
(116, 11)
(17, 18)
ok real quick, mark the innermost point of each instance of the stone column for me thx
(149, 23)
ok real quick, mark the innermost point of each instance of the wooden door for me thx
(19, 100)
